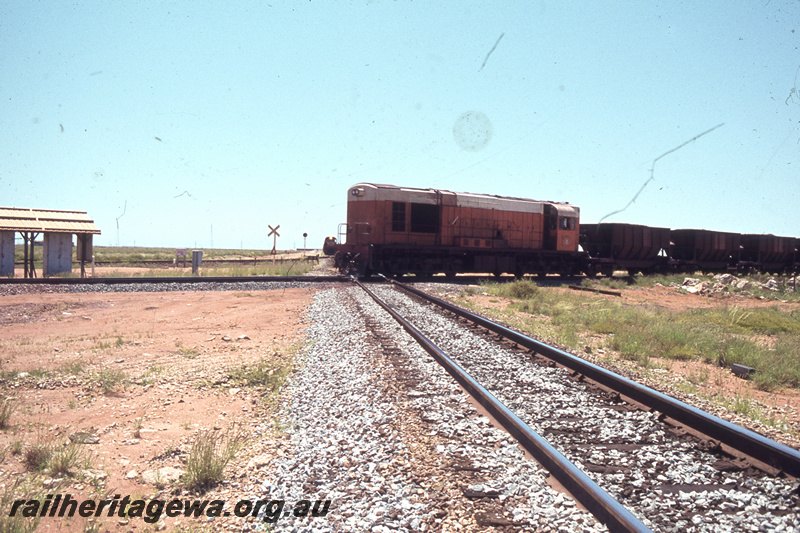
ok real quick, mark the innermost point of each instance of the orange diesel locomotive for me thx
(396, 230)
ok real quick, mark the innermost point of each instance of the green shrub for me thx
(211, 452)
(37, 456)
(520, 290)
(270, 375)
(63, 459)
(111, 379)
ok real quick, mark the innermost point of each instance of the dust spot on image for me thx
(97, 175)
(472, 131)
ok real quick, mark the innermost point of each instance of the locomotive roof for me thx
(373, 191)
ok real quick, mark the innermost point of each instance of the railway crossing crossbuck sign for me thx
(273, 232)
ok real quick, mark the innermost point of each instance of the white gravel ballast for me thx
(379, 429)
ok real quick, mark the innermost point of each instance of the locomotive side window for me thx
(398, 216)
(424, 218)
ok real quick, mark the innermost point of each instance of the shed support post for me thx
(33, 253)
(24, 254)
(28, 238)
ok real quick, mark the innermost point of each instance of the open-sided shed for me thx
(57, 228)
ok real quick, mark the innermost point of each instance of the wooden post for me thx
(29, 238)
(24, 253)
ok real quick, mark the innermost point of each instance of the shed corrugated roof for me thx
(46, 220)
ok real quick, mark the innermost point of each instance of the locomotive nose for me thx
(329, 246)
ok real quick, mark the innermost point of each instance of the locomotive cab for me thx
(561, 229)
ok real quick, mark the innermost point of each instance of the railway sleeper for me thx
(605, 469)
(722, 450)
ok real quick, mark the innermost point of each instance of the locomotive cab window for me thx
(566, 223)
(398, 216)
(424, 218)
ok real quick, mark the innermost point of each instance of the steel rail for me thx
(165, 279)
(605, 508)
(774, 454)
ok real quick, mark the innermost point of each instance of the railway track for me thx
(670, 465)
(596, 500)
(383, 431)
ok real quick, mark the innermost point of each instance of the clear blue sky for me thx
(190, 115)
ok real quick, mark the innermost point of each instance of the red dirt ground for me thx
(174, 350)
